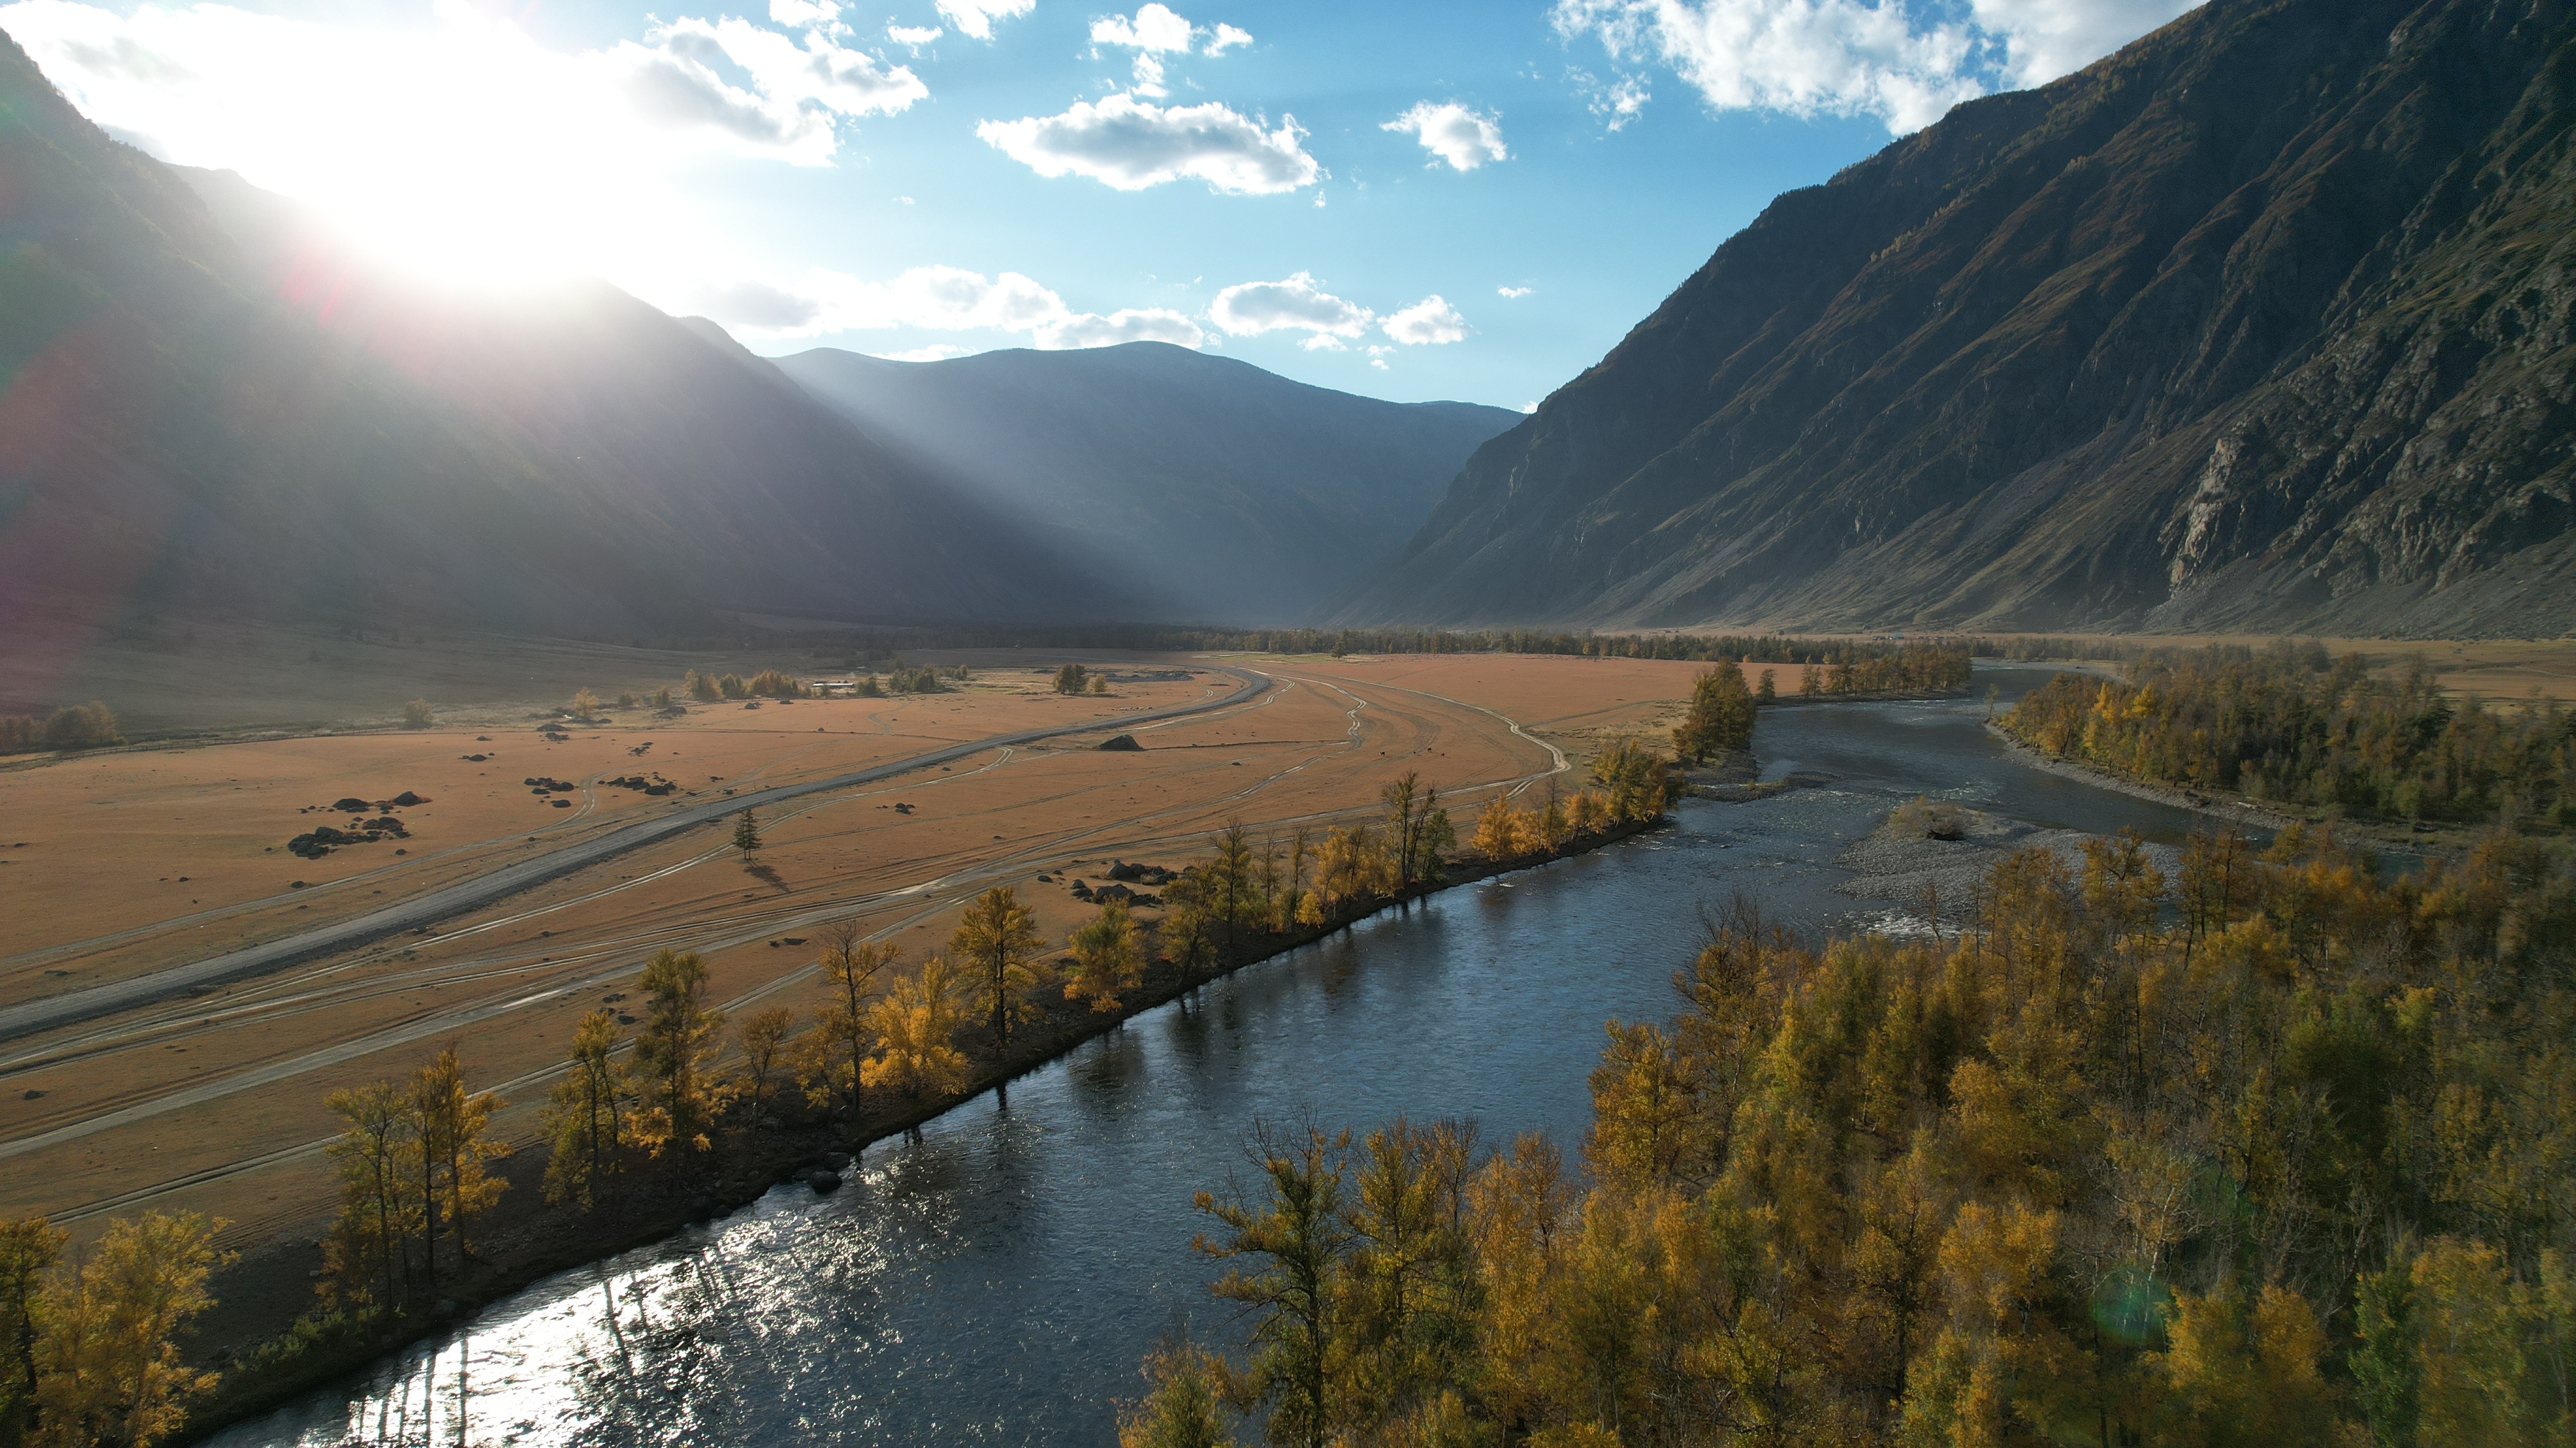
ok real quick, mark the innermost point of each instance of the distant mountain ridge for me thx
(1218, 490)
(261, 426)
(2262, 323)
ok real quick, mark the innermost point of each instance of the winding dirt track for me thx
(128, 1121)
(72, 1007)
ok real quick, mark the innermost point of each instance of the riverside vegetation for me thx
(90, 1353)
(2289, 724)
(2277, 1152)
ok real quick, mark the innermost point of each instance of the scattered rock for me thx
(474, 758)
(32, 1096)
(824, 1183)
(560, 803)
(407, 799)
(1121, 744)
(353, 804)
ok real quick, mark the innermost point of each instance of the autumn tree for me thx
(673, 1054)
(584, 703)
(416, 714)
(763, 1038)
(451, 1128)
(997, 938)
(1286, 1252)
(1106, 958)
(588, 1115)
(1186, 1407)
(367, 1253)
(842, 1037)
(108, 1365)
(29, 1248)
(915, 1024)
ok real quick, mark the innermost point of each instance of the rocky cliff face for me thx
(2262, 322)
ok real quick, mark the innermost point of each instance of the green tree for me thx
(997, 938)
(673, 1054)
(1071, 679)
(1720, 720)
(746, 834)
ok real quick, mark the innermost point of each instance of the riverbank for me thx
(266, 1299)
(2230, 807)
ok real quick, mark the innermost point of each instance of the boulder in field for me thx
(1122, 744)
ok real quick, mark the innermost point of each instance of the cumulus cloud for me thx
(1377, 357)
(2044, 39)
(1226, 37)
(939, 299)
(1513, 293)
(1129, 145)
(1903, 61)
(1322, 342)
(975, 17)
(915, 36)
(1152, 27)
(816, 74)
(1299, 303)
(817, 13)
(1529, 406)
(1428, 322)
(1453, 133)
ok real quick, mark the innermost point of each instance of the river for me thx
(997, 1280)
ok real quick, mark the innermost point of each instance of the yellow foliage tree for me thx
(1106, 958)
(915, 1023)
(108, 1364)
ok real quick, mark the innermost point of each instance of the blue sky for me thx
(1408, 200)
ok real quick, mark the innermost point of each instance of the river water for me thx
(998, 1280)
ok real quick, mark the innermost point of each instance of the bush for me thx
(81, 726)
(416, 714)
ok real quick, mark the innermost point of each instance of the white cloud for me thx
(1298, 303)
(2044, 39)
(937, 299)
(975, 17)
(1453, 133)
(818, 13)
(1148, 76)
(1903, 61)
(461, 145)
(935, 352)
(1514, 293)
(915, 36)
(1128, 145)
(1529, 407)
(1377, 357)
(1322, 342)
(1804, 57)
(1226, 37)
(1428, 322)
(1153, 27)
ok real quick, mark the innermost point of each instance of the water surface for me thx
(997, 1281)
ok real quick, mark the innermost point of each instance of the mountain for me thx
(1231, 493)
(2261, 323)
(210, 405)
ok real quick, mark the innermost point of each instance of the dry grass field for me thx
(2495, 669)
(140, 859)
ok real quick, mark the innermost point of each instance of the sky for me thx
(1405, 200)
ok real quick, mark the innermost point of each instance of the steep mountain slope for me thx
(1234, 493)
(2263, 322)
(260, 425)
